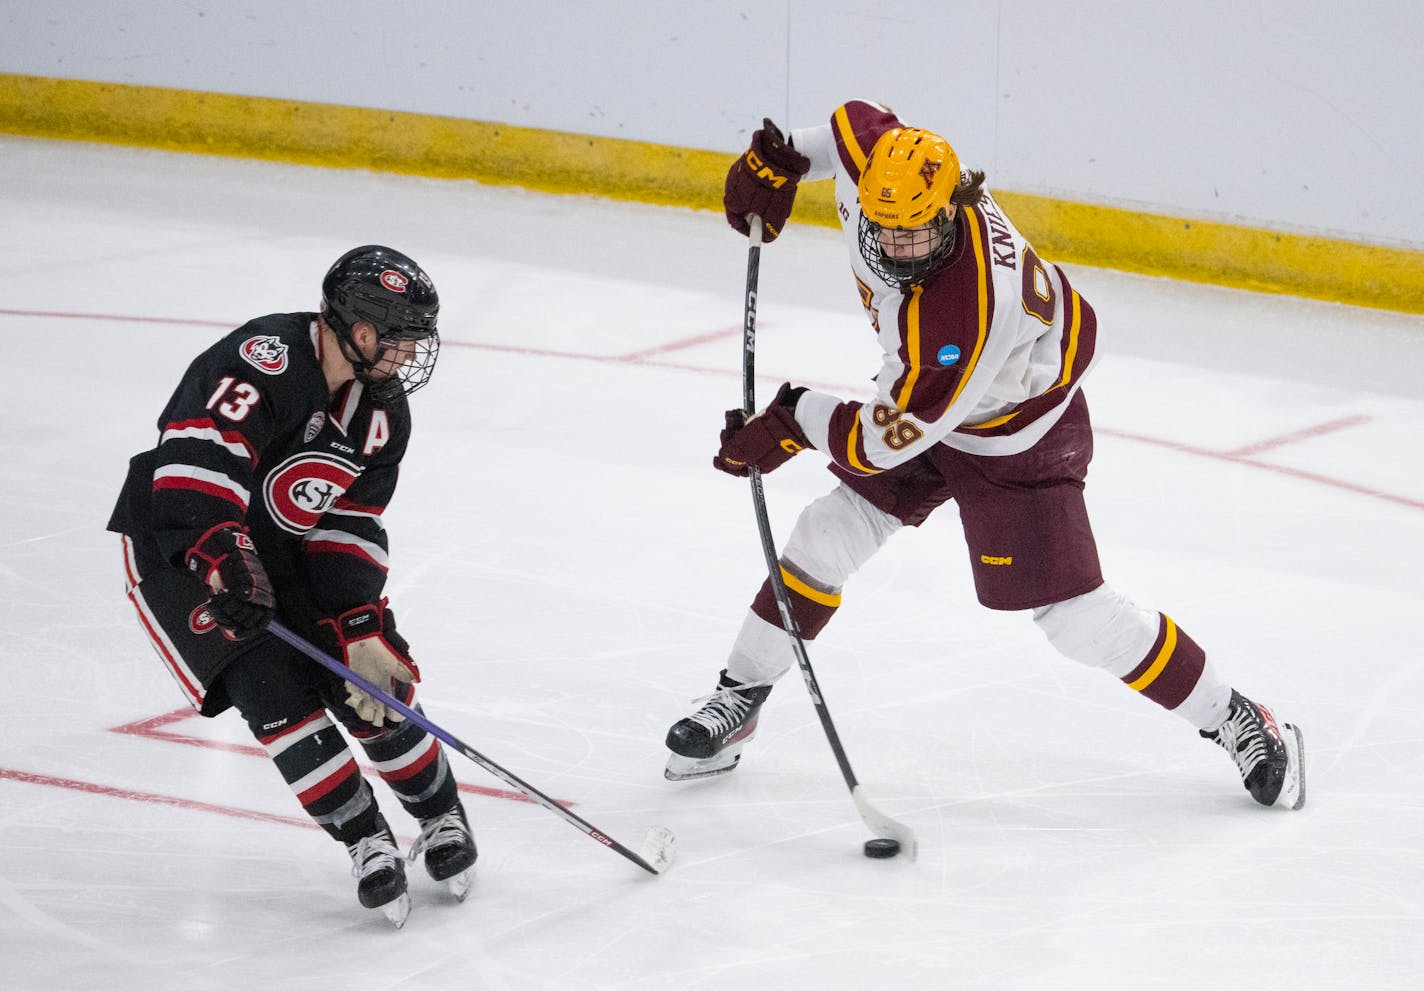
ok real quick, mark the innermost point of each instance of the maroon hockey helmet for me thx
(387, 289)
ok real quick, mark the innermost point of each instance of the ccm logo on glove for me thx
(763, 182)
(369, 645)
(766, 441)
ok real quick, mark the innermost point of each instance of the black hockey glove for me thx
(225, 560)
(368, 644)
(763, 182)
(766, 441)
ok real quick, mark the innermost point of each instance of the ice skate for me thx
(376, 864)
(709, 742)
(449, 848)
(1270, 756)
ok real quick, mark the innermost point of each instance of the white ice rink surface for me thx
(570, 572)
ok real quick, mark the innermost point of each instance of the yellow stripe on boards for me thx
(353, 137)
(1169, 644)
(832, 599)
(1390, 278)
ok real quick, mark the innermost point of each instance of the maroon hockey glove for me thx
(225, 560)
(763, 182)
(368, 643)
(766, 441)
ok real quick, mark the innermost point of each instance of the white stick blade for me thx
(658, 849)
(882, 825)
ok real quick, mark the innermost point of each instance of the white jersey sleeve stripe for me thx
(193, 477)
(209, 434)
(347, 542)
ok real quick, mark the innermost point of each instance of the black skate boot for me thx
(380, 873)
(449, 848)
(1270, 756)
(710, 740)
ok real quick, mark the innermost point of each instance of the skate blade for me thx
(681, 768)
(460, 884)
(1292, 794)
(397, 910)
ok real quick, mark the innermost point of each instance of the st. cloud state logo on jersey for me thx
(299, 490)
(266, 353)
(201, 621)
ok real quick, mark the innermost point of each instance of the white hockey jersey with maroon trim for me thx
(983, 357)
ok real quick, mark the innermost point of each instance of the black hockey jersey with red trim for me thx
(251, 436)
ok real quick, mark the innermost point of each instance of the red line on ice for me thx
(151, 798)
(1265, 466)
(155, 728)
(1240, 456)
(182, 322)
(687, 342)
(1306, 434)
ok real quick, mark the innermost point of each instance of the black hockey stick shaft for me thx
(768, 544)
(332, 664)
(876, 820)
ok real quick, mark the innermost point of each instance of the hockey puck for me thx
(882, 848)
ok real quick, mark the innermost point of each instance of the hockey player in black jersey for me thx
(276, 457)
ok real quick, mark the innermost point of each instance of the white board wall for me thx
(1298, 116)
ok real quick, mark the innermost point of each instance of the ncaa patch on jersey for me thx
(948, 354)
(267, 354)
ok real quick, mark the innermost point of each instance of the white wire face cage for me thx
(412, 373)
(929, 245)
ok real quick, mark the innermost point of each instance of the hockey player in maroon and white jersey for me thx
(979, 400)
(276, 457)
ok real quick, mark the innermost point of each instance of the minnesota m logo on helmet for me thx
(909, 177)
(907, 206)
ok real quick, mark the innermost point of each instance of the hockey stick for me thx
(659, 846)
(880, 824)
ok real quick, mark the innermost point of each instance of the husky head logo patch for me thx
(267, 354)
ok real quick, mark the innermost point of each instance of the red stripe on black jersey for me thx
(228, 436)
(189, 685)
(289, 730)
(188, 484)
(432, 753)
(356, 507)
(328, 784)
(338, 547)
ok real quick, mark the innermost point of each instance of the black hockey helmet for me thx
(380, 286)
